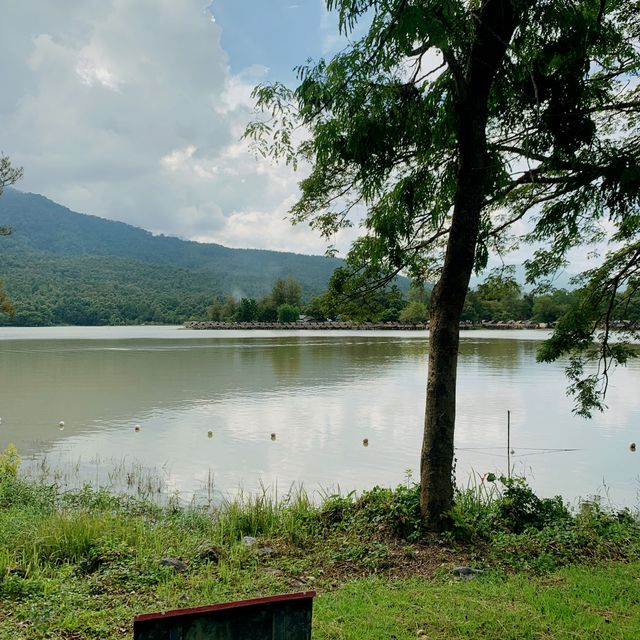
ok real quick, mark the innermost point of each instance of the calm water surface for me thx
(321, 393)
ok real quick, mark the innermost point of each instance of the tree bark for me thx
(496, 23)
(447, 301)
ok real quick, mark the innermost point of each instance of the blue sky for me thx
(279, 34)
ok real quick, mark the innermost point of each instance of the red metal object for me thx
(282, 617)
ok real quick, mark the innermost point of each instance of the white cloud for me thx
(177, 158)
(95, 68)
(128, 110)
(257, 229)
(332, 40)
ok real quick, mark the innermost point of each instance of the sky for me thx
(134, 111)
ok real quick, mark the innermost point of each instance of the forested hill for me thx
(59, 266)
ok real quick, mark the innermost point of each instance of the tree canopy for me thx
(8, 175)
(461, 129)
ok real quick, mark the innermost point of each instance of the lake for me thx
(321, 394)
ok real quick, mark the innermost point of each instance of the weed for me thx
(73, 561)
(371, 555)
(520, 508)
(394, 512)
(505, 505)
(9, 462)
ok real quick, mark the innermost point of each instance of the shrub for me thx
(508, 506)
(520, 508)
(393, 512)
(9, 463)
(414, 313)
(522, 531)
(288, 313)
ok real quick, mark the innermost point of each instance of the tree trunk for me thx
(447, 301)
(496, 22)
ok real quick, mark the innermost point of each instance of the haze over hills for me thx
(60, 266)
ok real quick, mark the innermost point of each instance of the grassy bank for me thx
(82, 564)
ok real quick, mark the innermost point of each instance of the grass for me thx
(80, 564)
(575, 602)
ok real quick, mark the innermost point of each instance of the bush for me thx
(9, 463)
(520, 508)
(387, 512)
(512, 527)
(288, 313)
(509, 506)
(414, 313)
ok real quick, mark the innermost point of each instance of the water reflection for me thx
(322, 394)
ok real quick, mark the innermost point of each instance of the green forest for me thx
(63, 268)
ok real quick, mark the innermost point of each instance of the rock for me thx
(175, 563)
(210, 553)
(249, 541)
(266, 552)
(466, 573)
(296, 582)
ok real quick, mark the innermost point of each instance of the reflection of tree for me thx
(110, 379)
(98, 382)
(498, 353)
(286, 360)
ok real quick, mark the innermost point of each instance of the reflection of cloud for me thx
(321, 395)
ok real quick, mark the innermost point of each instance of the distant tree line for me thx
(499, 298)
(282, 304)
(102, 299)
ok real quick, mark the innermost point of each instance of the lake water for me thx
(320, 393)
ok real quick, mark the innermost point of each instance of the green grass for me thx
(82, 564)
(576, 602)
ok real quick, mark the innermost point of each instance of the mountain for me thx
(63, 267)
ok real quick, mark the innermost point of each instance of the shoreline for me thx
(206, 325)
(88, 561)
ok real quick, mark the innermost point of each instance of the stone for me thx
(210, 553)
(266, 552)
(466, 573)
(249, 541)
(175, 563)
